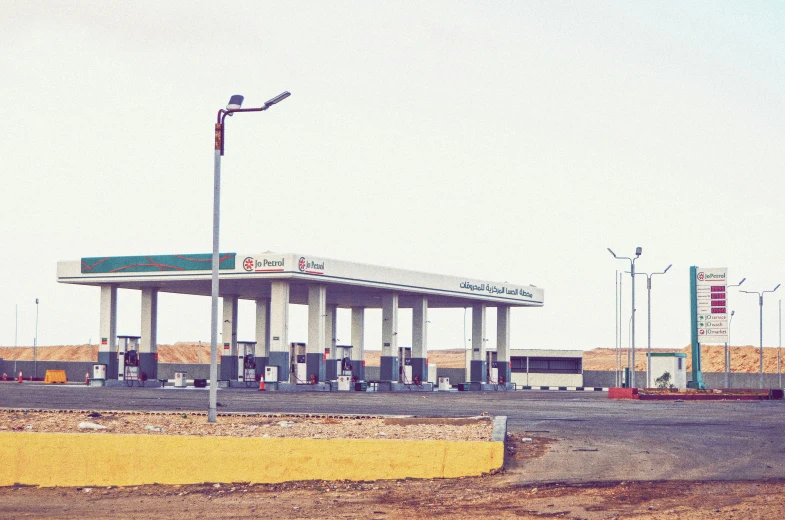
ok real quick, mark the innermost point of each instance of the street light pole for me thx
(648, 349)
(727, 350)
(760, 304)
(35, 344)
(234, 106)
(638, 251)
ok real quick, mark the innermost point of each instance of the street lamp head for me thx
(277, 99)
(611, 252)
(666, 269)
(778, 286)
(742, 281)
(638, 251)
(732, 313)
(235, 102)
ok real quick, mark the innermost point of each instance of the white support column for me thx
(279, 328)
(478, 364)
(262, 353)
(108, 329)
(503, 341)
(358, 343)
(229, 339)
(148, 346)
(420, 338)
(330, 328)
(314, 350)
(330, 331)
(389, 359)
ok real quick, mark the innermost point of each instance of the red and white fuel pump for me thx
(405, 364)
(298, 373)
(128, 359)
(246, 362)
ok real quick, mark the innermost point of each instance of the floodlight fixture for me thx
(277, 99)
(638, 251)
(235, 102)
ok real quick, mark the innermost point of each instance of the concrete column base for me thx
(388, 369)
(261, 362)
(228, 370)
(358, 369)
(110, 360)
(280, 360)
(504, 370)
(148, 364)
(478, 371)
(315, 366)
(420, 369)
(331, 370)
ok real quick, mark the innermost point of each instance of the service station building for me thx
(273, 281)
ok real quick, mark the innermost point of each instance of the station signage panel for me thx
(712, 311)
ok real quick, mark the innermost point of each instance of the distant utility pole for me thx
(760, 304)
(16, 336)
(727, 349)
(638, 252)
(35, 343)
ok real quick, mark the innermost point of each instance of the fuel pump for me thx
(128, 359)
(492, 367)
(343, 360)
(298, 374)
(405, 364)
(246, 363)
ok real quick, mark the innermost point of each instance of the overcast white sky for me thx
(507, 141)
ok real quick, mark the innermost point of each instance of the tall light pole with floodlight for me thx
(648, 348)
(727, 349)
(35, 343)
(760, 304)
(234, 106)
(638, 252)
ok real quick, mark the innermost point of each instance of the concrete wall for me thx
(75, 372)
(607, 378)
(535, 379)
(113, 460)
(456, 375)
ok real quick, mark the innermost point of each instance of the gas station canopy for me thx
(249, 276)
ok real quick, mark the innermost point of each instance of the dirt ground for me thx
(743, 358)
(247, 425)
(490, 496)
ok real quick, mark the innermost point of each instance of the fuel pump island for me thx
(274, 281)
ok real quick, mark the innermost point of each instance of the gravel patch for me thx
(247, 425)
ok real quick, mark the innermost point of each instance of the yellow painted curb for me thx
(66, 459)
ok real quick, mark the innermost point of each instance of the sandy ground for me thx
(490, 496)
(248, 425)
(743, 358)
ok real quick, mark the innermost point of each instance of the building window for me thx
(545, 365)
(680, 361)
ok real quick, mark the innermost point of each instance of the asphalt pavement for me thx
(597, 439)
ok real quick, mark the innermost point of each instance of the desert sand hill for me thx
(743, 359)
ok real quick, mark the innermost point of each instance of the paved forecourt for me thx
(596, 439)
